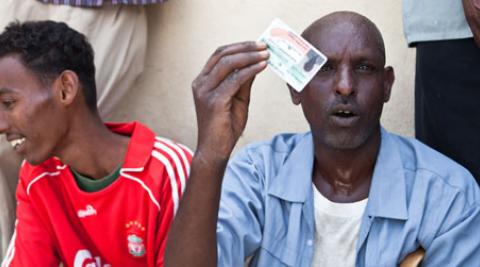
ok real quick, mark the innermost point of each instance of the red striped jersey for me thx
(124, 224)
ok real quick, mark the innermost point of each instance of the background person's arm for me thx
(222, 94)
(472, 14)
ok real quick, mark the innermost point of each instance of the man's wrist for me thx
(210, 158)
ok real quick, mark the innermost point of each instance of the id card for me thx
(291, 57)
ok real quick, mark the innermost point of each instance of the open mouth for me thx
(344, 113)
(344, 116)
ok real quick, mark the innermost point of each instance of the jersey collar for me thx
(140, 145)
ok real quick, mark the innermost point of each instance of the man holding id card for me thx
(347, 193)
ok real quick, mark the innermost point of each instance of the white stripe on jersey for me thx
(171, 175)
(11, 249)
(61, 167)
(178, 148)
(186, 148)
(133, 178)
(176, 160)
(40, 177)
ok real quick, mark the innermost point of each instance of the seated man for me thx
(348, 193)
(89, 193)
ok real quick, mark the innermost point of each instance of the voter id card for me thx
(291, 57)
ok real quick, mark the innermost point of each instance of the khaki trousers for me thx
(118, 35)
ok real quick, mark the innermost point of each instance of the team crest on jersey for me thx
(135, 238)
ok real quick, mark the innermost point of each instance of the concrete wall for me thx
(183, 34)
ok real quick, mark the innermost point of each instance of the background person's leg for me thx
(447, 86)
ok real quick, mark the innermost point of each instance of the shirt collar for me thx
(294, 179)
(387, 196)
(139, 147)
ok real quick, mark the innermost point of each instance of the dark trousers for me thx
(447, 100)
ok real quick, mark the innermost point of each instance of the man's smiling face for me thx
(29, 116)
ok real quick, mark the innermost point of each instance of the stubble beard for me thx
(347, 139)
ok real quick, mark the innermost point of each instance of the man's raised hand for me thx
(222, 95)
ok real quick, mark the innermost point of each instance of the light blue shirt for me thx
(434, 20)
(417, 197)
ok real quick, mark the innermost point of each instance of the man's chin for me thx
(344, 144)
(34, 161)
(346, 140)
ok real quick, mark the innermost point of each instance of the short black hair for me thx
(48, 48)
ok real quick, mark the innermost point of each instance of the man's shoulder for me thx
(150, 152)
(280, 143)
(29, 172)
(167, 161)
(281, 153)
(423, 162)
(163, 174)
(169, 153)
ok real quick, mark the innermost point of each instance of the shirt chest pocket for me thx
(284, 238)
(276, 251)
(388, 244)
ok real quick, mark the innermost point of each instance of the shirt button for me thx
(310, 242)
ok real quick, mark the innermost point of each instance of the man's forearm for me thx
(221, 94)
(192, 239)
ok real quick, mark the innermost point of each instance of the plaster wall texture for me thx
(184, 33)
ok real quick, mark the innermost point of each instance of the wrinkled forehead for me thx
(351, 36)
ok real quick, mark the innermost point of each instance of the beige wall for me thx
(183, 34)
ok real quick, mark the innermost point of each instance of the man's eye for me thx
(365, 67)
(8, 103)
(325, 68)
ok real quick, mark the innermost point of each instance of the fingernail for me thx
(261, 45)
(264, 54)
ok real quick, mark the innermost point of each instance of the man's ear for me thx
(294, 95)
(67, 85)
(389, 78)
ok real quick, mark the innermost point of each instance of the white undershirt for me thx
(336, 231)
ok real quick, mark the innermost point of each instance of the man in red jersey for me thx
(90, 194)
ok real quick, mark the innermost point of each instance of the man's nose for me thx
(344, 82)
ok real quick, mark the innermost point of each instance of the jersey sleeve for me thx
(241, 213)
(172, 186)
(31, 244)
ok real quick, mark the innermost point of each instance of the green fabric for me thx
(93, 185)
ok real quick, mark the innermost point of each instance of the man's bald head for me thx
(356, 22)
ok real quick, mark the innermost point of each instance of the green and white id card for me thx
(292, 58)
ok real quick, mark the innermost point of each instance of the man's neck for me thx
(91, 148)
(344, 175)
